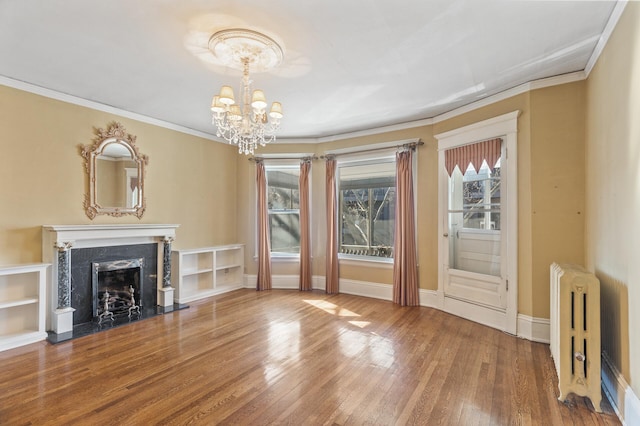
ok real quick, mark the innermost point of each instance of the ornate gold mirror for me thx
(115, 169)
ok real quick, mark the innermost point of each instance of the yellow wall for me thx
(613, 191)
(557, 184)
(190, 181)
(550, 193)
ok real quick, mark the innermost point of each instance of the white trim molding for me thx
(285, 282)
(622, 398)
(534, 329)
(366, 289)
(503, 317)
(604, 37)
(506, 94)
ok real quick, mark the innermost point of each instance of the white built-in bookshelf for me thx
(204, 272)
(22, 304)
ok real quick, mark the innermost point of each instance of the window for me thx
(367, 192)
(283, 204)
(481, 197)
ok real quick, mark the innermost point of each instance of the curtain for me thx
(332, 229)
(305, 231)
(405, 268)
(473, 154)
(264, 246)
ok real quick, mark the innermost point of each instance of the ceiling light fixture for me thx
(246, 124)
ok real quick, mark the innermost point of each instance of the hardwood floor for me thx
(287, 357)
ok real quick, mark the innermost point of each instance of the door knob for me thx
(445, 235)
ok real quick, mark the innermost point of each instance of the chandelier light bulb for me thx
(217, 106)
(234, 113)
(226, 95)
(276, 111)
(258, 100)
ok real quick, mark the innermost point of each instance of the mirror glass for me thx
(115, 170)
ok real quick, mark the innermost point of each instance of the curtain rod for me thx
(305, 158)
(412, 145)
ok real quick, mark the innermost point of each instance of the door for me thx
(478, 231)
(475, 269)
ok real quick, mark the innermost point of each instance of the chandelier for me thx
(246, 124)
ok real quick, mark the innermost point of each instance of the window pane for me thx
(367, 208)
(285, 235)
(481, 198)
(474, 220)
(355, 217)
(283, 202)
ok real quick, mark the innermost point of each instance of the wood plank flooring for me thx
(288, 357)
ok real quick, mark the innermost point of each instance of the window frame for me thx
(363, 159)
(290, 164)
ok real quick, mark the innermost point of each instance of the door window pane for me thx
(474, 220)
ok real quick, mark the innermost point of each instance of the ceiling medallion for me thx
(246, 124)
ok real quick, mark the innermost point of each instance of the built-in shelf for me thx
(22, 304)
(204, 272)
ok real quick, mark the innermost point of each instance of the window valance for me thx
(473, 154)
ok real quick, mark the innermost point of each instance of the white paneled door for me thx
(478, 225)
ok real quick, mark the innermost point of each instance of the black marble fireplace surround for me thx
(82, 273)
(82, 261)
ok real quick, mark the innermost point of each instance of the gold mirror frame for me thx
(114, 136)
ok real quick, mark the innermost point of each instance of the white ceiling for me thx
(348, 66)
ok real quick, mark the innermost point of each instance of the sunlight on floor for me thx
(331, 308)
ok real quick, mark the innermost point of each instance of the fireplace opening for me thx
(117, 289)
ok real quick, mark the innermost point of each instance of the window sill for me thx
(282, 258)
(369, 261)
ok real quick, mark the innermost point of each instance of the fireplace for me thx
(73, 251)
(120, 266)
(116, 288)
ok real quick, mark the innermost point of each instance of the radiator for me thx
(575, 331)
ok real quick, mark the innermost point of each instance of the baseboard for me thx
(477, 313)
(623, 400)
(285, 282)
(534, 329)
(319, 282)
(428, 298)
(367, 289)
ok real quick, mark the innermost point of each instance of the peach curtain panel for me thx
(474, 154)
(332, 276)
(405, 268)
(264, 246)
(305, 227)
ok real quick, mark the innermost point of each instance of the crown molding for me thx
(523, 88)
(509, 93)
(514, 91)
(606, 33)
(75, 100)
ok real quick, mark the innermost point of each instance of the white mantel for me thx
(106, 235)
(57, 240)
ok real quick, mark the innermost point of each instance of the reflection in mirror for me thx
(115, 169)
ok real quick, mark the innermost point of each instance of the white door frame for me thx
(506, 127)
